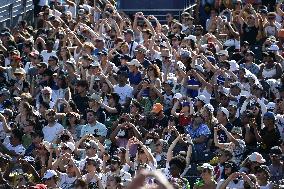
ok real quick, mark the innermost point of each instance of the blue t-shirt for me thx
(202, 130)
(190, 92)
(135, 79)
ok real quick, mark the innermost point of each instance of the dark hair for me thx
(179, 161)
(17, 134)
(45, 104)
(81, 183)
(68, 54)
(91, 111)
(83, 83)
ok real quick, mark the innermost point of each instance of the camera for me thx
(64, 138)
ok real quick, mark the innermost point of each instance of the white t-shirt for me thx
(98, 129)
(280, 124)
(19, 149)
(123, 92)
(65, 181)
(50, 133)
(231, 185)
(125, 176)
(46, 55)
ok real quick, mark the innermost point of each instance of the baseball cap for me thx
(270, 106)
(177, 96)
(92, 144)
(185, 54)
(269, 115)
(237, 130)
(95, 97)
(129, 31)
(209, 107)
(42, 64)
(134, 62)
(237, 84)
(157, 108)
(202, 98)
(95, 64)
(275, 150)
(8, 112)
(191, 37)
(211, 59)
(256, 157)
(34, 53)
(273, 47)
(49, 174)
(69, 145)
(199, 68)
(20, 71)
(223, 52)
(141, 48)
(206, 166)
(169, 82)
(225, 111)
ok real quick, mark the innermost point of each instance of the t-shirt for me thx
(249, 34)
(123, 92)
(98, 129)
(280, 125)
(46, 55)
(66, 182)
(232, 184)
(135, 79)
(19, 149)
(50, 133)
(125, 176)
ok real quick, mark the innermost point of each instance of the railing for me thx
(10, 9)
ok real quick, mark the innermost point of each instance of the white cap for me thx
(256, 157)
(209, 107)
(273, 47)
(207, 166)
(199, 68)
(225, 111)
(223, 52)
(192, 37)
(270, 106)
(177, 96)
(201, 98)
(48, 174)
(233, 65)
(134, 62)
(69, 145)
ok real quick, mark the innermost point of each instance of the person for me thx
(206, 176)
(276, 167)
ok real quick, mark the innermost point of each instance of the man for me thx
(53, 129)
(269, 136)
(50, 178)
(233, 114)
(223, 118)
(53, 64)
(249, 64)
(116, 169)
(276, 167)
(135, 76)
(93, 126)
(49, 51)
(81, 99)
(123, 89)
(13, 145)
(46, 94)
(94, 104)
(167, 65)
(159, 119)
(223, 156)
(140, 53)
(128, 36)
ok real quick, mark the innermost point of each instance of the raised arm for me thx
(171, 148)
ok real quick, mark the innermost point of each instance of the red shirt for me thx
(183, 120)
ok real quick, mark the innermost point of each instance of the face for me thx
(232, 111)
(111, 182)
(205, 174)
(80, 89)
(197, 120)
(50, 117)
(222, 158)
(91, 117)
(220, 116)
(175, 170)
(228, 170)
(248, 57)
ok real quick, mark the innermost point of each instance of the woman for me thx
(153, 74)
(263, 177)
(64, 55)
(232, 42)
(113, 182)
(269, 69)
(73, 121)
(25, 113)
(20, 85)
(184, 117)
(71, 77)
(207, 181)
(93, 175)
(236, 143)
(143, 156)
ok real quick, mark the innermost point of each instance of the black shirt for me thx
(81, 103)
(249, 34)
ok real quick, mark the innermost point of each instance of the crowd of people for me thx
(94, 98)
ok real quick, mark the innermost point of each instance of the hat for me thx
(257, 86)
(92, 144)
(223, 52)
(256, 157)
(95, 97)
(121, 149)
(4, 91)
(199, 68)
(129, 31)
(264, 168)
(69, 145)
(237, 130)
(125, 57)
(206, 166)
(185, 53)
(100, 39)
(34, 53)
(53, 58)
(263, 11)
(202, 98)
(103, 52)
(157, 108)
(20, 71)
(269, 115)
(250, 52)
(7, 112)
(191, 37)
(233, 103)
(225, 111)
(134, 62)
(233, 65)
(186, 103)
(42, 64)
(169, 82)
(95, 64)
(281, 33)
(273, 47)
(148, 31)
(49, 174)
(177, 96)
(237, 84)
(270, 106)
(275, 150)
(211, 59)
(209, 107)
(245, 43)
(39, 186)
(166, 53)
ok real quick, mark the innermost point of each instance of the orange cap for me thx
(157, 108)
